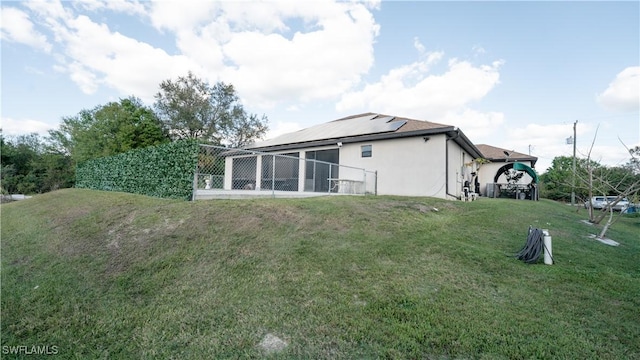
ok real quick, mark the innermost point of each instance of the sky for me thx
(516, 75)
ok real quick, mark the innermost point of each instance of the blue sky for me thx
(510, 74)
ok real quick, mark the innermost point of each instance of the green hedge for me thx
(163, 171)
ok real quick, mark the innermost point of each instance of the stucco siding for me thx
(460, 166)
(407, 166)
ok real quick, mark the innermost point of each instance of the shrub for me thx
(163, 171)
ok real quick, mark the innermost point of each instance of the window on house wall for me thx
(366, 151)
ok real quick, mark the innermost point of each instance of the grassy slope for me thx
(127, 276)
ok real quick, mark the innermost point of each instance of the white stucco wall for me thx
(406, 166)
(460, 167)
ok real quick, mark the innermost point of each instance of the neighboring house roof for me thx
(496, 154)
(363, 127)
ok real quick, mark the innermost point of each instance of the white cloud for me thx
(282, 127)
(83, 77)
(418, 45)
(130, 66)
(175, 16)
(476, 125)
(50, 13)
(94, 56)
(251, 45)
(124, 6)
(413, 91)
(16, 27)
(321, 62)
(547, 141)
(478, 50)
(623, 93)
(14, 127)
(610, 155)
(248, 44)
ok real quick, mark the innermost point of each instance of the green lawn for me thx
(112, 275)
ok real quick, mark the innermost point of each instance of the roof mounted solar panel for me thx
(364, 125)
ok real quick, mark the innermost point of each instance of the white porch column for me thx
(302, 170)
(228, 173)
(258, 172)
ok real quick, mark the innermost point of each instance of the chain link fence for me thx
(222, 170)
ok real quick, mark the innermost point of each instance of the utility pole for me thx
(573, 181)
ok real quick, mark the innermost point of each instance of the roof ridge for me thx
(356, 116)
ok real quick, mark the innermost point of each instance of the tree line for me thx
(591, 178)
(185, 108)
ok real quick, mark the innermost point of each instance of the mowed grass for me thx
(112, 275)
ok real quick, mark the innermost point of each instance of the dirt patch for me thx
(421, 207)
(425, 208)
(283, 213)
(68, 216)
(271, 343)
(125, 241)
(170, 225)
(358, 302)
(24, 260)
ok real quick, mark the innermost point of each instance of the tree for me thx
(620, 182)
(53, 171)
(109, 129)
(634, 163)
(190, 108)
(30, 166)
(557, 180)
(17, 155)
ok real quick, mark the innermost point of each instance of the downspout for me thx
(446, 161)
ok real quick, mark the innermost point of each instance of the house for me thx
(411, 157)
(507, 173)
